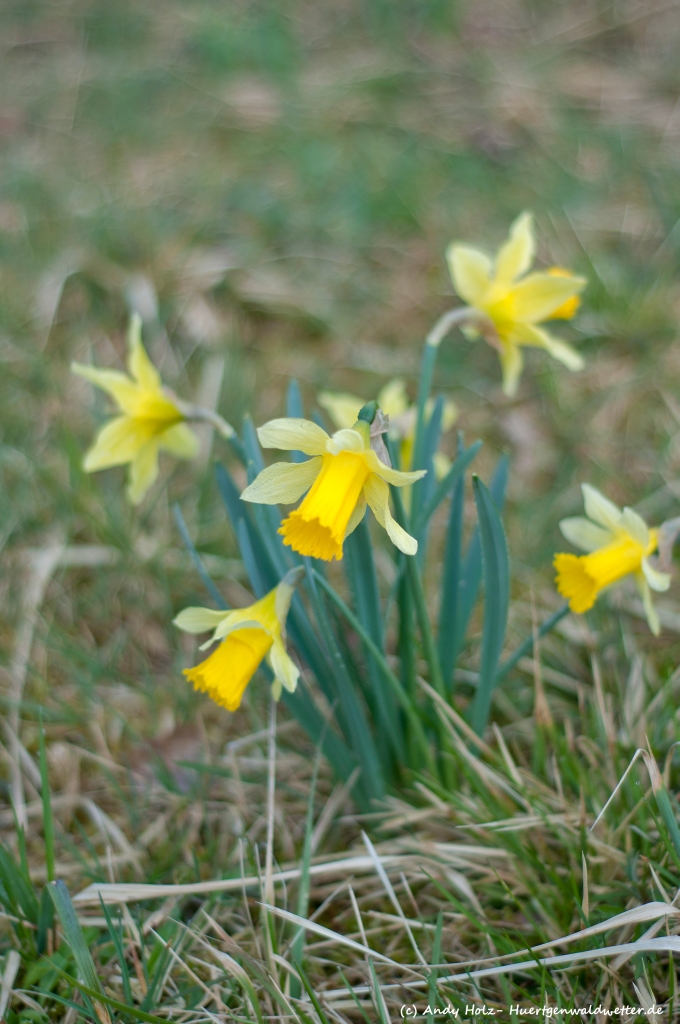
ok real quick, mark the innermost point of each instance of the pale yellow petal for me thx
(139, 365)
(392, 398)
(199, 620)
(600, 509)
(470, 272)
(342, 408)
(143, 472)
(635, 526)
(650, 611)
(284, 594)
(442, 464)
(659, 581)
(356, 517)
(512, 362)
(583, 534)
(117, 442)
(392, 476)
(529, 334)
(378, 497)
(345, 440)
(180, 441)
(123, 390)
(450, 414)
(517, 254)
(283, 483)
(240, 618)
(292, 434)
(538, 296)
(284, 668)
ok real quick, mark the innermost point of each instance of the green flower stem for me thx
(376, 653)
(527, 644)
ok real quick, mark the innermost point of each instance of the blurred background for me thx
(273, 185)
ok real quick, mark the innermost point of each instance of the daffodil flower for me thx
(342, 477)
(343, 410)
(150, 420)
(514, 304)
(246, 636)
(619, 544)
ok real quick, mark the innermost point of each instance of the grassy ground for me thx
(273, 187)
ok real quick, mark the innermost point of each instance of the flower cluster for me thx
(349, 471)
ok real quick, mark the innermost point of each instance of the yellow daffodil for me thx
(150, 419)
(342, 477)
(247, 636)
(514, 304)
(619, 544)
(343, 410)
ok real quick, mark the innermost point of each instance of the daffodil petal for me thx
(342, 408)
(512, 362)
(537, 296)
(292, 434)
(635, 525)
(199, 620)
(392, 476)
(600, 509)
(392, 398)
(180, 440)
(650, 611)
(529, 334)
(378, 497)
(143, 472)
(345, 440)
(284, 594)
(442, 464)
(658, 581)
(283, 666)
(449, 415)
(283, 483)
(470, 272)
(517, 254)
(357, 515)
(583, 534)
(123, 390)
(139, 365)
(240, 618)
(117, 442)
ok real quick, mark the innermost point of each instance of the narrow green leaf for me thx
(45, 919)
(496, 569)
(133, 1011)
(295, 409)
(196, 558)
(117, 939)
(75, 938)
(446, 483)
(451, 573)
(19, 890)
(48, 819)
(360, 571)
(471, 575)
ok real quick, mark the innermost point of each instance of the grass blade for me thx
(451, 569)
(496, 568)
(196, 558)
(75, 938)
(48, 819)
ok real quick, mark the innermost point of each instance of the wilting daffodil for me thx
(342, 477)
(513, 302)
(619, 544)
(149, 419)
(343, 410)
(246, 637)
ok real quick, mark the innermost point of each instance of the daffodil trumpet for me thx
(343, 476)
(151, 419)
(618, 543)
(506, 304)
(246, 637)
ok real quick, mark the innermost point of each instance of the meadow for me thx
(272, 188)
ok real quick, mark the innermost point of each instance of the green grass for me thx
(274, 186)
